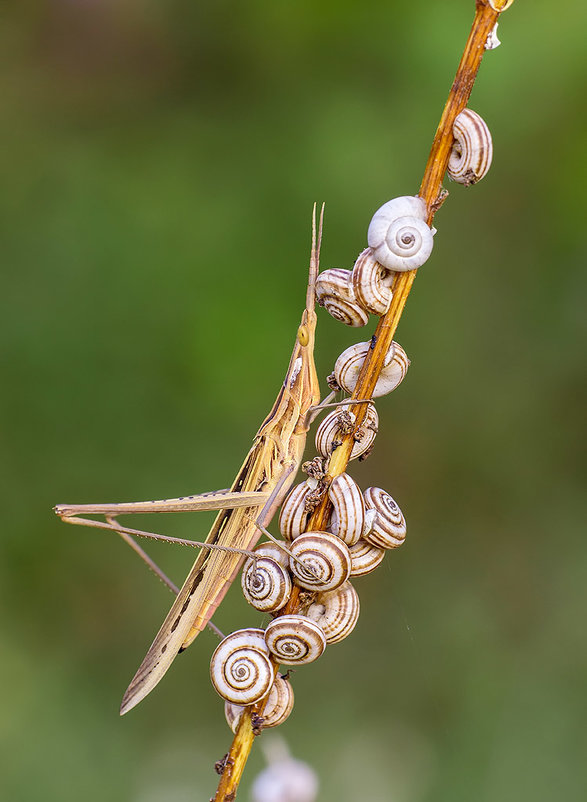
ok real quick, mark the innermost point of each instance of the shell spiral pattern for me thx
(329, 432)
(348, 509)
(240, 667)
(349, 363)
(294, 515)
(326, 556)
(277, 708)
(389, 528)
(336, 612)
(266, 584)
(334, 291)
(399, 235)
(472, 151)
(372, 283)
(295, 640)
(365, 558)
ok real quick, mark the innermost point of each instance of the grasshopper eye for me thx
(303, 336)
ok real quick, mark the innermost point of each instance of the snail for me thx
(372, 283)
(365, 558)
(240, 667)
(271, 549)
(336, 612)
(472, 150)
(334, 291)
(326, 556)
(294, 512)
(277, 708)
(399, 235)
(294, 640)
(349, 363)
(330, 431)
(389, 527)
(348, 509)
(266, 584)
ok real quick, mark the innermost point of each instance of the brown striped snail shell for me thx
(365, 558)
(472, 150)
(294, 515)
(240, 667)
(334, 291)
(278, 706)
(336, 612)
(294, 640)
(270, 549)
(348, 509)
(389, 527)
(328, 433)
(326, 556)
(399, 235)
(349, 363)
(266, 584)
(372, 283)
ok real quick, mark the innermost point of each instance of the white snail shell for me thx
(349, 363)
(336, 612)
(328, 434)
(266, 584)
(399, 235)
(472, 150)
(294, 640)
(492, 40)
(240, 667)
(294, 515)
(275, 552)
(348, 509)
(277, 708)
(389, 527)
(334, 291)
(327, 557)
(365, 558)
(372, 283)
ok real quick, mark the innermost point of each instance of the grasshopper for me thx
(244, 510)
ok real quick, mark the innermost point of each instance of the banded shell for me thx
(389, 527)
(348, 509)
(294, 514)
(349, 363)
(365, 558)
(275, 552)
(472, 150)
(266, 584)
(294, 640)
(240, 668)
(336, 612)
(329, 433)
(277, 708)
(326, 556)
(372, 283)
(399, 235)
(334, 291)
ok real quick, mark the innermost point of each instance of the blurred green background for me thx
(158, 166)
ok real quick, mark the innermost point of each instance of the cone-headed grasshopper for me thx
(259, 488)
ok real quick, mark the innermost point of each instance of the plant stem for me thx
(486, 16)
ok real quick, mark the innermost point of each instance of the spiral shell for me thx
(329, 433)
(327, 557)
(336, 612)
(266, 584)
(389, 528)
(349, 363)
(240, 667)
(275, 552)
(472, 150)
(277, 708)
(372, 283)
(348, 509)
(399, 235)
(294, 640)
(294, 514)
(334, 291)
(365, 558)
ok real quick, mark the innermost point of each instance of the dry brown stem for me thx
(486, 15)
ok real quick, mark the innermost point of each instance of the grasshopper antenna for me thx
(314, 257)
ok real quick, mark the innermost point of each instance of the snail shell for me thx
(492, 40)
(266, 584)
(294, 640)
(240, 667)
(365, 558)
(389, 527)
(329, 432)
(334, 291)
(372, 283)
(348, 509)
(336, 612)
(349, 363)
(326, 555)
(277, 708)
(472, 150)
(294, 515)
(399, 235)
(275, 552)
